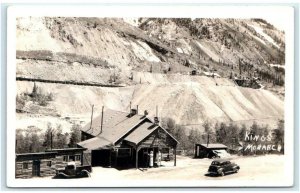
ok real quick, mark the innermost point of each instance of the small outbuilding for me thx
(46, 163)
(209, 150)
(40, 164)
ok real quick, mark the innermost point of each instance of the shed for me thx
(40, 164)
(125, 139)
(206, 150)
(46, 163)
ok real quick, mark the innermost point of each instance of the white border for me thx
(283, 13)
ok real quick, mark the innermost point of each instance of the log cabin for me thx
(43, 164)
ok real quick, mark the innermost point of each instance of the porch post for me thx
(175, 156)
(116, 158)
(137, 157)
(110, 158)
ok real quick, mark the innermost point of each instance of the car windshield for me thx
(215, 163)
(71, 167)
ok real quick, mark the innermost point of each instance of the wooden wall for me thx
(44, 169)
(57, 162)
(159, 139)
(87, 158)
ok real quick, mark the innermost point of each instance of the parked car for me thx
(222, 167)
(73, 171)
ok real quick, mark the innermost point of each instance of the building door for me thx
(101, 158)
(36, 168)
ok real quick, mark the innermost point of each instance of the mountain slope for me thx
(149, 61)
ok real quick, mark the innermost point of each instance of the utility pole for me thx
(207, 139)
(92, 118)
(51, 139)
(102, 119)
(240, 67)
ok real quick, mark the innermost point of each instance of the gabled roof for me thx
(214, 145)
(141, 132)
(115, 125)
(96, 143)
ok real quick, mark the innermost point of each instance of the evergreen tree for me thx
(20, 141)
(221, 133)
(279, 134)
(48, 136)
(34, 92)
(169, 125)
(75, 135)
(207, 126)
(242, 132)
(60, 138)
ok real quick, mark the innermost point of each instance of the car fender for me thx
(236, 167)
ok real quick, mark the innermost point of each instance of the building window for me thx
(25, 165)
(77, 157)
(66, 158)
(49, 163)
(71, 158)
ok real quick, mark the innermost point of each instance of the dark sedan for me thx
(222, 167)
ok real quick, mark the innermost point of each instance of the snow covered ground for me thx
(270, 168)
(260, 170)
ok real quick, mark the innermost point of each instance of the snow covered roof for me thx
(141, 133)
(118, 126)
(214, 145)
(35, 156)
(96, 143)
(115, 125)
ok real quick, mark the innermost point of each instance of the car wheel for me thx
(235, 170)
(61, 175)
(84, 174)
(222, 173)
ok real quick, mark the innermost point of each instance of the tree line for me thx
(235, 137)
(273, 75)
(33, 139)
